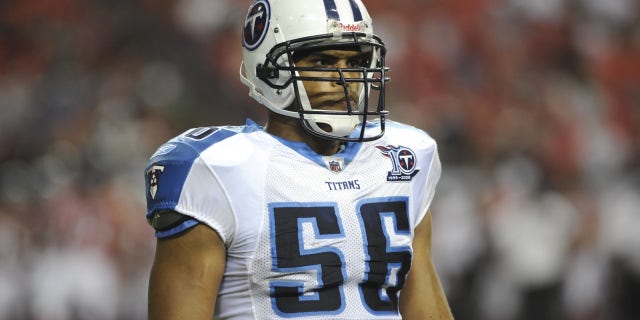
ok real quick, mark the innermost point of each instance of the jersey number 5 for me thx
(295, 226)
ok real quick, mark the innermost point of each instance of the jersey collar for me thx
(348, 152)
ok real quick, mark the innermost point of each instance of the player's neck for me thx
(290, 129)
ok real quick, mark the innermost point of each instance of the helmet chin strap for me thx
(340, 125)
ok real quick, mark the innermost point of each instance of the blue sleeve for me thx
(168, 169)
(165, 176)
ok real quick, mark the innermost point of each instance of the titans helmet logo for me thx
(256, 25)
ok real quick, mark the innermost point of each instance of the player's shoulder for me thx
(191, 143)
(401, 133)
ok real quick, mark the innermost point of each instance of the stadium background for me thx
(535, 104)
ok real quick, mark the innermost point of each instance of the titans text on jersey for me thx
(343, 185)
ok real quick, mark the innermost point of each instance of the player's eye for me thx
(358, 63)
(321, 62)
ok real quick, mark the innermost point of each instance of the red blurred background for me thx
(535, 105)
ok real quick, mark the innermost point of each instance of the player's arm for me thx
(186, 274)
(422, 298)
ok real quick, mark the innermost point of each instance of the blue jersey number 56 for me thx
(386, 264)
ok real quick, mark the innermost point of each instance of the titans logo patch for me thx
(403, 160)
(153, 177)
(256, 25)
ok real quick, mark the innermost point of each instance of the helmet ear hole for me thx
(265, 73)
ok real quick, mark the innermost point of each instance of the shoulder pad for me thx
(191, 143)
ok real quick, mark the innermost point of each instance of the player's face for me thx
(327, 95)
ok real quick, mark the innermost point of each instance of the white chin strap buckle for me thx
(341, 125)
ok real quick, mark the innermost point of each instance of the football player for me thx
(321, 214)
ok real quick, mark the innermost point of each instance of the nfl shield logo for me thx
(335, 166)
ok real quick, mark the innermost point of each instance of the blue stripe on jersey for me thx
(200, 139)
(348, 153)
(332, 10)
(188, 224)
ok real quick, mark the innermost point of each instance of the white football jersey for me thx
(307, 236)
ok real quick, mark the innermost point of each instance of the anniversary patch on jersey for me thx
(404, 162)
(256, 24)
(153, 175)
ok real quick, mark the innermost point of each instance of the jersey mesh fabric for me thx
(306, 183)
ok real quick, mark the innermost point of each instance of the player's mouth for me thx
(339, 104)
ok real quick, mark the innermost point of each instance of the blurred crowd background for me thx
(535, 104)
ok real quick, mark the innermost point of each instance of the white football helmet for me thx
(274, 30)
